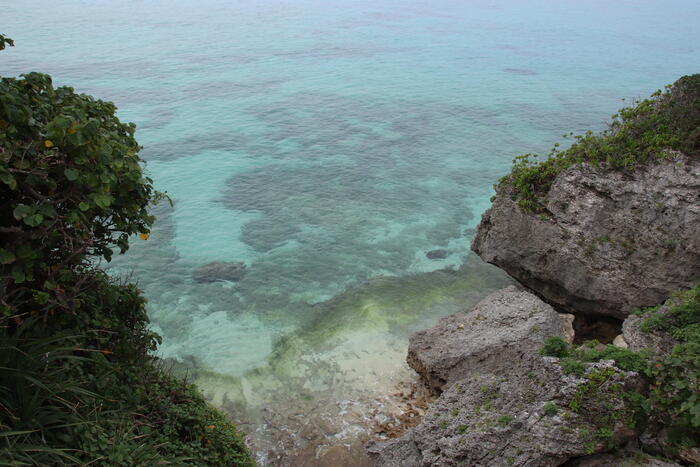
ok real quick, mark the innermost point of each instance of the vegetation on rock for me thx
(77, 382)
(673, 395)
(667, 121)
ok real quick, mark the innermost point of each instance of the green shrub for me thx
(681, 318)
(78, 382)
(668, 120)
(675, 378)
(555, 347)
(550, 409)
(505, 420)
(71, 188)
(571, 366)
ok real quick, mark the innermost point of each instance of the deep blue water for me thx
(327, 143)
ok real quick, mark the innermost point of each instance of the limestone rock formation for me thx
(534, 416)
(505, 329)
(219, 271)
(657, 341)
(609, 241)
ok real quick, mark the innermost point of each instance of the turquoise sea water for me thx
(329, 145)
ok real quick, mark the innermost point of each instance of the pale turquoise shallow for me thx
(325, 143)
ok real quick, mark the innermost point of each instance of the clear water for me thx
(329, 145)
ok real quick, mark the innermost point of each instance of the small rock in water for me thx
(219, 271)
(436, 254)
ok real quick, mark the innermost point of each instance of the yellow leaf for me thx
(143, 236)
(48, 143)
(71, 131)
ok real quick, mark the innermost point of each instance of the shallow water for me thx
(329, 146)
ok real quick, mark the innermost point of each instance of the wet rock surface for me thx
(503, 331)
(219, 271)
(609, 241)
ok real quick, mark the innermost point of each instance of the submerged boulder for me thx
(607, 241)
(505, 329)
(437, 254)
(535, 416)
(219, 271)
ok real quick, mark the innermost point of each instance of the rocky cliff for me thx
(608, 242)
(609, 225)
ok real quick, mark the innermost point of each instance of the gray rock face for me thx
(611, 241)
(505, 329)
(219, 271)
(658, 342)
(533, 417)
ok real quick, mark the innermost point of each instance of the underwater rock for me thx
(219, 271)
(608, 241)
(535, 415)
(436, 254)
(503, 330)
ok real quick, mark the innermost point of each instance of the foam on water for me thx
(330, 145)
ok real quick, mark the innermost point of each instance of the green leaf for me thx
(41, 297)
(71, 174)
(84, 206)
(18, 276)
(21, 211)
(6, 257)
(34, 220)
(8, 180)
(103, 200)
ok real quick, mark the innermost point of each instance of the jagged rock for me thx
(436, 254)
(610, 241)
(656, 439)
(659, 342)
(536, 416)
(567, 327)
(503, 330)
(219, 271)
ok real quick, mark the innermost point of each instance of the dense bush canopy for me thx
(71, 187)
(78, 383)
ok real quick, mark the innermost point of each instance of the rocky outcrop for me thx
(505, 329)
(502, 402)
(219, 271)
(534, 416)
(609, 241)
(657, 341)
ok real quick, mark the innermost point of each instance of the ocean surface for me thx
(329, 145)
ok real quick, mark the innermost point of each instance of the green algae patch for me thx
(396, 306)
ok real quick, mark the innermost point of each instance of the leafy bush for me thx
(674, 380)
(675, 388)
(555, 346)
(71, 187)
(572, 366)
(668, 120)
(550, 409)
(78, 383)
